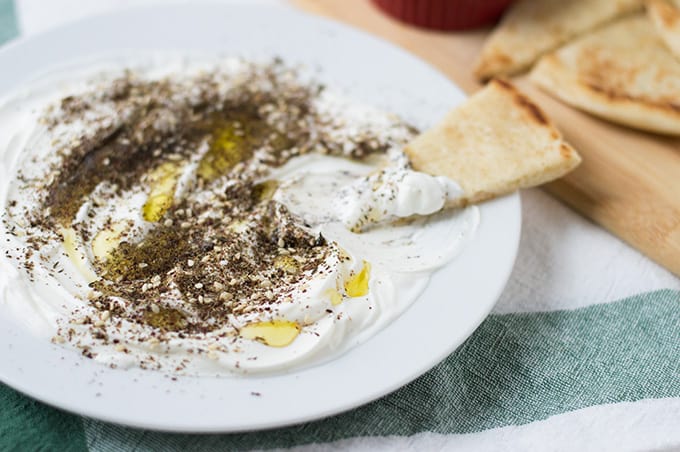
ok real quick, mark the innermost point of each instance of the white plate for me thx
(456, 301)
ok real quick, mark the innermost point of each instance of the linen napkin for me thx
(582, 352)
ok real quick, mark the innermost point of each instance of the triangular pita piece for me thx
(666, 19)
(532, 28)
(498, 141)
(622, 72)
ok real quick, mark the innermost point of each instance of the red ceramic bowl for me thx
(444, 14)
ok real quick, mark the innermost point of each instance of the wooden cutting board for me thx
(629, 182)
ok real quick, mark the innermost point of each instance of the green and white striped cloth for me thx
(582, 352)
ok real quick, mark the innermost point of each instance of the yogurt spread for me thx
(213, 218)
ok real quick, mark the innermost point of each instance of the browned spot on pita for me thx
(614, 95)
(503, 83)
(667, 13)
(521, 100)
(666, 19)
(566, 150)
(532, 109)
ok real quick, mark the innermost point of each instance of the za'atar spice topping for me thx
(213, 218)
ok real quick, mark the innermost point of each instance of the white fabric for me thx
(641, 426)
(564, 262)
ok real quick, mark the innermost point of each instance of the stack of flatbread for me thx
(532, 28)
(610, 58)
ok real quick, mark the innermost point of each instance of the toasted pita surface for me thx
(495, 143)
(533, 27)
(666, 19)
(622, 72)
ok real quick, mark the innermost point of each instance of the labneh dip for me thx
(204, 217)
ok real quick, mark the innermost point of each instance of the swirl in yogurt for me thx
(214, 219)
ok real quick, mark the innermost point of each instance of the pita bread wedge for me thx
(666, 19)
(533, 27)
(622, 72)
(495, 143)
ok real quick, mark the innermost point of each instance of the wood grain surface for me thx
(629, 182)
